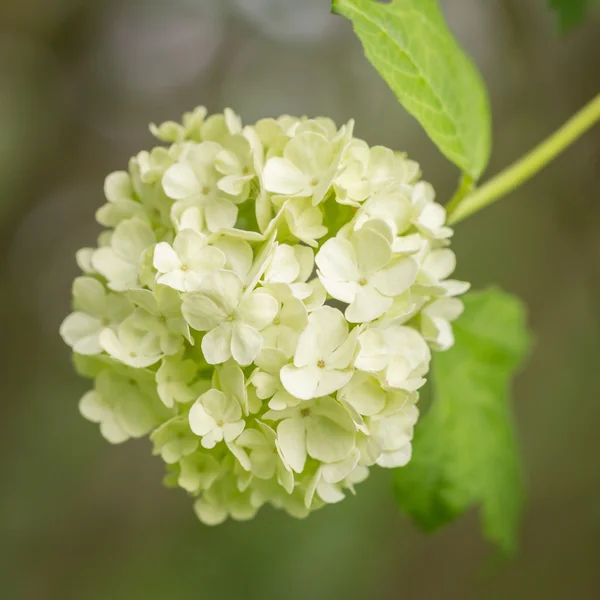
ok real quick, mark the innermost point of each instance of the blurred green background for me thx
(80, 519)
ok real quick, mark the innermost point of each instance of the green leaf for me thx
(465, 451)
(410, 45)
(569, 12)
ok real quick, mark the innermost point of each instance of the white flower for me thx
(238, 255)
(119, 262)
(267, 382)
(304, 220)
(164, 304)
(265, 456)
(428, 216)
(306, 169)
(173, 380)
(123, 405)
(220, 127)
(183, 265)
(122, 204)
(391, 206)
(435, 322)
(360, 271)
(393, 435)
(216, 417)
(133, 343)
(224, 499)
(154, 329)
(170, 131)
(363, 396)
(399, 353)
(288, 270)
(331, 492)
(323, 357)
(194, 180)
(231, 318)
(95, 310)
(229, 378)
(288, 324)
(436, 266)
(321, 429)
(369, 170)
(236, 164)
(83, 257)
(198, 471)
(173, 440)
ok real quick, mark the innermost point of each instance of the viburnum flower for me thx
(263, 305)
(231, 319)
(119, 262)
(216, 417)
(323, 358)
(363, 272)
(96, 310)
(183, 265)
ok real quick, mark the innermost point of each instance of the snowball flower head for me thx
(263, 306)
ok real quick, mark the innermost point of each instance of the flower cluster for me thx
(263, 304)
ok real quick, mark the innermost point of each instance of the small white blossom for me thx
(399, 353)
(120, 261)
(436, 319)
(95, 310)
(231, 319)
(288, 270)
(173, 440)
(173, 380)
(323, 358)
(265, 457)
(307, 168)
(321, 429)
(184, 265)
(122, 204)
(394, 435)
(194, 180)
(236, 164)
(216, 417)
(362, 272)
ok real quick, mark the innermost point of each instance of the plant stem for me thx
(526, 167)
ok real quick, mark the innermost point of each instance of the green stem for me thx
(525, 168)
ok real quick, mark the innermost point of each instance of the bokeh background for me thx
(82, 520)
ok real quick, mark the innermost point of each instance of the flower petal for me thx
(90, 296)
(337, 260)
(201, 312)
(165, 259)
(238, 254)
(301, 382)
(332, 328)
(368, 305)
(180, 181)
(82, 332)
(246, 343)
(397, 277)
(280, 176)
(291, 436)
(373, 251)
(216, 344)
(326, 441)
(440, 263)
(332, 380)
(220, 213)
(257, 309)
(340, 290)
